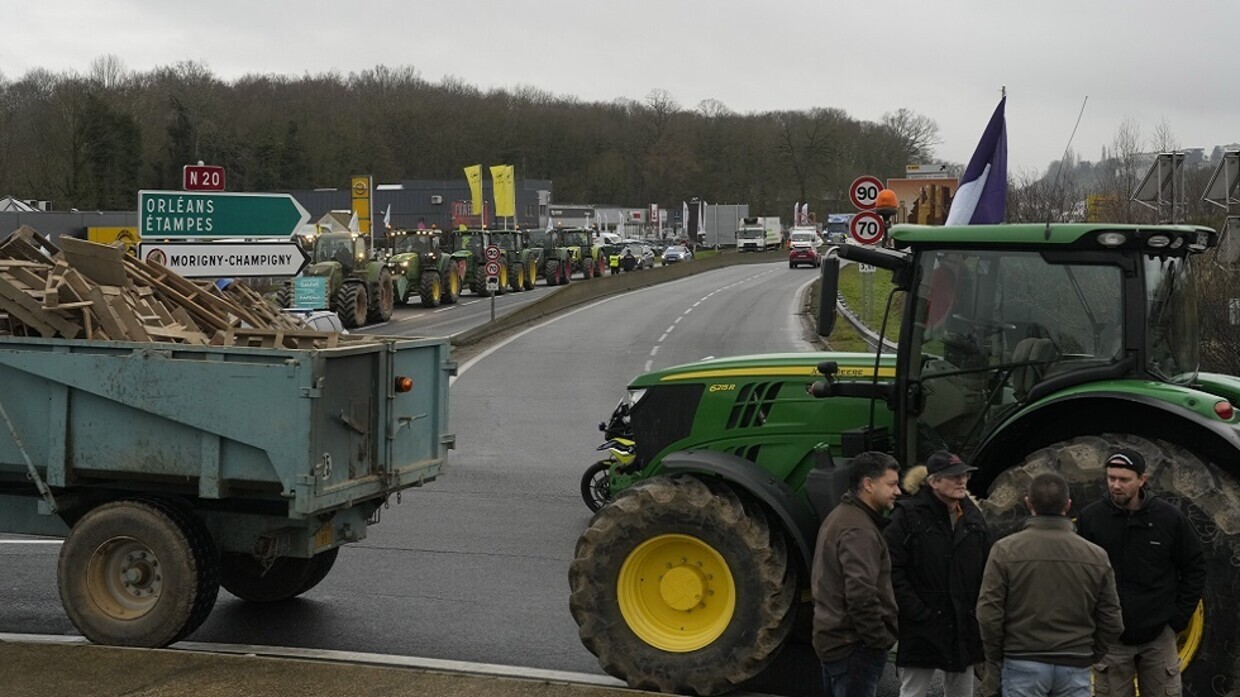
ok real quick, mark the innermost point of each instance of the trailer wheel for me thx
(243, 575)
(679, 586)
(351, 305)
(137, 573)
(431, 289)
(1209, 497)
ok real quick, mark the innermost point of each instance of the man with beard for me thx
(1160, 572)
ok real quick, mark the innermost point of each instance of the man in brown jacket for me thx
(1048, 607)
(854, 605)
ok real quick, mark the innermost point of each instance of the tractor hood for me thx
(851, 366)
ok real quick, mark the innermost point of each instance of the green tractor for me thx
(587, 255)
(466, 248)
(1022, 348)
(422, 268)
(555, 261)
(520, 258)
(359, 285)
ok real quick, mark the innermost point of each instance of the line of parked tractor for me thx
(367, 278)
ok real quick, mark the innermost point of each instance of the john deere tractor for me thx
(555, 261)
(359, 284)
(423, 269)
(519, 256)
(466, 248)
(1023, 348)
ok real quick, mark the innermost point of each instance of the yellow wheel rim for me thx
(503, 276)
(454, 284)
(436, 290)
(1189, 640)
(676, 593)
(533, 268)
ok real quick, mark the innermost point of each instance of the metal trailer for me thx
(173, 469)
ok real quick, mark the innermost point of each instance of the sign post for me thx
(192, 215)
(492, 254)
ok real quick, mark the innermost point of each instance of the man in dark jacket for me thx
(854, 606)
(939, 542)
(1160, 571)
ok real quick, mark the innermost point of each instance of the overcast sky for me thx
(1144, 60)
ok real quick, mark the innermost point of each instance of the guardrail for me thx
(868, 335)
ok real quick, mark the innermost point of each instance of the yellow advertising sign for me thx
(108, 234)
(501, 181)
(473, 174)
(360, 189)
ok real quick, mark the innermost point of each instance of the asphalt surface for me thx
(474, 567)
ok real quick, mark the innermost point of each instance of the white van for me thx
(804, 238)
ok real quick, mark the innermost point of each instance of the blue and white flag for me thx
(982, 196)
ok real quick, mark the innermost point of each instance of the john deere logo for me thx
(359, 187)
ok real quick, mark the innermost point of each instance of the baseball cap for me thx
(1128, 459)
(944, 462)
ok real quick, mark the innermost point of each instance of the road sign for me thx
(866, 227)
(492, 253)
(310, 293)
(865, 268)
(189, 215)
(864, 191)
(492, 285)
(493, 268)
(202, 178)
(226, 259)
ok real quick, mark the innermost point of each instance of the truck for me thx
(758, 234)
(171, 470)
(1022, 348)
(836, 229)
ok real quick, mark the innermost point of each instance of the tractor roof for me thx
(1177, 237)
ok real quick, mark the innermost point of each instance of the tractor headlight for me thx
(636, 395)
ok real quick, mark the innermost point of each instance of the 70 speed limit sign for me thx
(866, 227)
(864, 192)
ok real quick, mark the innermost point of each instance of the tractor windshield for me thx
(577, 239)
(508, 242)
(339, 249)
(416, 244)
(1172, 319)
(990, 326)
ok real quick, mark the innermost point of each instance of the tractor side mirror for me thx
(828, 291)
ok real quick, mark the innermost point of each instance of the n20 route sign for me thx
(202, 178)
(864, 191)
(226, 259)
(866, 227)
(191, 215)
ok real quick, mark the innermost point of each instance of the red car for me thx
(802, 255)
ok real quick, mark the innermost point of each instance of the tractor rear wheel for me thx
(381, 302)
(287, 577)
(680, 586)
(531, 274)
(351, 305)
(451, 285)
(431, 289)
(1207, 495)
(587, 268)
(137, 573)
(552, 272)
(517, 277)
(284, 297)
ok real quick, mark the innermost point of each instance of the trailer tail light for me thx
(1224, 410)
(403, 384)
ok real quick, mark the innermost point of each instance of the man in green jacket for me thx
(1048, 607)
(854, 604)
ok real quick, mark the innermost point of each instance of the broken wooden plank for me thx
(101, 263)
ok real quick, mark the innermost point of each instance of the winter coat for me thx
(851, 583)
(936, 571)
(1160, 569)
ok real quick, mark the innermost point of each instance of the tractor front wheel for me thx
(680, 586)
(531, 274)
(431, 289)
(284, 297)
(351, 305)
(1206, 494)
(380, 307)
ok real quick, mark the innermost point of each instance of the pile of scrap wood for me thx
(85, 290)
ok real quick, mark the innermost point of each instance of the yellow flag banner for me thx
(501, 180)
(473, 174)
(510, 180)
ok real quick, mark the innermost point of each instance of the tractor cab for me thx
(415, 242)
(993, 321)
(344, 248)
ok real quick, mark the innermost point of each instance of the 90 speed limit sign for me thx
(866, 227)
(864, 191)
(492, 253)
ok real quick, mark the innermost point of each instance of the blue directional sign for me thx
(207, 215)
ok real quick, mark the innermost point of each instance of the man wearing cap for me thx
(939, 542)
(1160, 571)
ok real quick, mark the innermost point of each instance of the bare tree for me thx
(109, 72)
(1163, 139)
(713, 109)
(918, 133)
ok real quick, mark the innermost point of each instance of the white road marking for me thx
(654, 351)
(662, 339)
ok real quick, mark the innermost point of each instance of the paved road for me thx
(474, 567)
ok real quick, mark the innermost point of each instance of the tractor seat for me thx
(1037, 353)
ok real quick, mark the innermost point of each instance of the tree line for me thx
(92, 140)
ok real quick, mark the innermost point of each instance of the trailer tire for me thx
(1209, 497)
(431, 289)
(645, 633)
(137, 573)
(243, 575)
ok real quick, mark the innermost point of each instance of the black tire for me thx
(172, 556)
(596, 485)
(243, 576)
(351, 305)
(284, 297)
(451, 285)
(1206, 494)
(587, 268)
(763, 585)
(431, 289)
(531, 274)
(381, 302)
(551, 272)
(516, 277)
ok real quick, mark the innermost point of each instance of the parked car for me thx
(803, 255)
(643, 255)
(677, 253)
